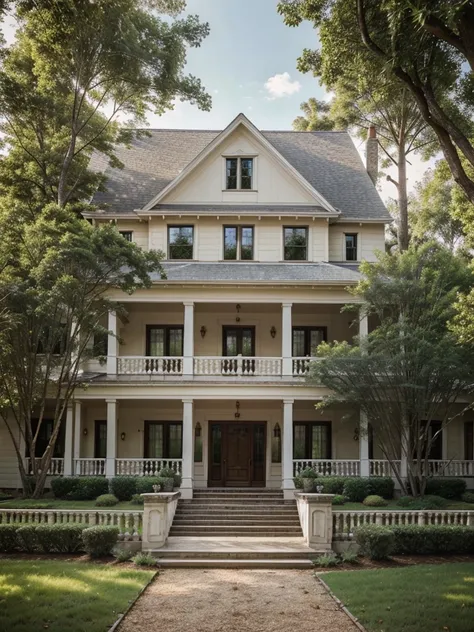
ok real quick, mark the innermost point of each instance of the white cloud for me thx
(216, 91)
(281, 85)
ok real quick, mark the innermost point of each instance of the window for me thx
(295, 241)
(306, 340)
(436, 451)
(164, 340)
(312, 440)
(127, 234)
(53, 340)
(468, 440)
(351, 246)
(238, 243)
(100, 440)
(44, 435)
(163, 440)
(239, 173)
(198, 443)
(100, 345)
(180, 242)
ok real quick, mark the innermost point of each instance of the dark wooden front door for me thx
(236, 454)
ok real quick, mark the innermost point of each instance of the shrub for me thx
(433, 539)
(62, 486)
(468, 497)
(349, 557)
(88, 488)
(333, 484)
(100, 541)
(356, 489)
(137, 499)
(338, 500)
(177, 479)
(375, 501)
(298, 481)
(123, 555)
(422, 502)
(450, 488)
(35, 504)
(405, 501)
(145, 485)
(27, 540)
(167, 472)
(5, 496)
(59, 538)
(8, 537)
(382, 486)
(375, 541)
(106, 500)
(123, 487)
(308, 472)
(144, 559)
(326, 561)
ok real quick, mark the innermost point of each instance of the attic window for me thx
(239, 173)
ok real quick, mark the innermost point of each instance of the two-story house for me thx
(263, 233)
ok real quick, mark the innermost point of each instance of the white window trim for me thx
(167, 239)
(239, 157)
(359, 245)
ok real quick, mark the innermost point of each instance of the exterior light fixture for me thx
(122, 436)
(237, 307)
(203, 331)
(277, 431)
(273, 331)
(84, 432)
(237, 409)
(356, 434)
(197, 430)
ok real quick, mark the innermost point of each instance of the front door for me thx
(237, 454)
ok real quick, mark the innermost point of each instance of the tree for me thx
(57, 271)
(426, 44)
(411, 369)
(316, 117)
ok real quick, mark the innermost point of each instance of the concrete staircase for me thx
(231, 512)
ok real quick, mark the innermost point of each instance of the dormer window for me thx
(239, 174)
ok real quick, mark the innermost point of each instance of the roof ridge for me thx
(217, 131)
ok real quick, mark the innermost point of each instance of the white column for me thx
(77, 434)
(188, 341)
(111, 437)
(112, 345)
(287, 339)
(364, 445)
(287, 483)
(188, 450)
(68, 439)
(363, 325)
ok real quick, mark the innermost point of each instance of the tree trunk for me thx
(403, 236)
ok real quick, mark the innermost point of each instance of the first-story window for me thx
(468, 440)
(163, 440)
(198, 443)
(127, 234)
(295, 243)
(312, 440)
(238, 243)
(44, 435)
(180, 242)
(239, 173)
(350, 246)
(100, 439)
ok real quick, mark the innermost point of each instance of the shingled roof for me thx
(329, 161)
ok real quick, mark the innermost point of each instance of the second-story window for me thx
(350, 246)
(238, 243)
(239, 173)
(180, 242)
(295, 243)
(127, 234)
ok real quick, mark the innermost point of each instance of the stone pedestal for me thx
(158, 514)
(315, 512)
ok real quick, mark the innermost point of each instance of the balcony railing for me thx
(145, 467)
(89, 467)
(381, 467)
(237, 365)
(331, 467)
(450, 468)
(56, 467)
(140, 365)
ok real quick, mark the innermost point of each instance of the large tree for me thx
(426, 44)
(411, 369)
(316, 117)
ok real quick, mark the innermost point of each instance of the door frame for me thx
(240, 327)
(224, 447)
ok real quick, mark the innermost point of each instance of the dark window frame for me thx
(307, 337)
(170, 245)
(47, 423)
(355, 248)
(240, 328)
(167, 329)
(238, 254)
(98, 425)
(306, 229)
(468, 435)
(166, 438)
(238, 173)
(127, 235)
(308, 439)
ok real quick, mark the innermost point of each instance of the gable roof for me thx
(328, 161)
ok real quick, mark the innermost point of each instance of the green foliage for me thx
(8, 537)
(89, 488)
(356, 489)
(375, 541)
(124, 486)
(423, 502)
(327, 560)
(64, 485)
(308, 472)
(167, 472)
(433, 539)
(375, 501)
(316, 117)
(106, 500)
(333, 484)
(468, 497)
(123, 555)
(100, 541)
(145, 484)
(137, 499)
(144, 559)
(5, 496)
(349, 557)
(382, 486)
(450, 488)
(338, 500)
(59, 538)
(27, 540)
(298, 481)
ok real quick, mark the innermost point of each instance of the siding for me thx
(371, 238)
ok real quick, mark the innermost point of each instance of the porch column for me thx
(112, 345)
(188, 341)
(68, 439)
(444, 443)
(111, 437)
(364, 445)
(287, 483)
(77, 435)
(188, 451)
(286, 339)
(404, 452)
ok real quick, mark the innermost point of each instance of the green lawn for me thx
(52, 503)
(65, 596)
(421, 598)
(392, 505)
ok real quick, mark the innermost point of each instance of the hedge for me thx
(100, 541)
(450, 488)
(381, 486)
(50, 538)
(79, 487)
(433, 539)
(8, 537)
(145, 484)
(356, 489)
(375, 541)
(123, 487)
(64, 485)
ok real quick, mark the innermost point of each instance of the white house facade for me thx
(263, 233)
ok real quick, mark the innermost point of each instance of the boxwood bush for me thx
(468, 497)
(450, 488)
(123, 487)
(333, 484)
(375, 501)
(27, 539)
(356, 489)
(106, 500)
(99, 541)
(64, 485)
(145, 484)
(88, 488)
(382, 486)
(422, 502)
(50, 538)
(433, 539)
(8, 537)
(338, 500)
(375, 541)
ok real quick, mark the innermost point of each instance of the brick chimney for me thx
(372, 154)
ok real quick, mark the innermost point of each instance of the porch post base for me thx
(110, 468)
(186, 489)
(158, 514)
(288, 493)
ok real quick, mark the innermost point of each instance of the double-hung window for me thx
(350, 246)
(295, 243)
(312, 440)
(163, 440)
(180, 242)
(239, 174)
(238, 243)
(127, 234)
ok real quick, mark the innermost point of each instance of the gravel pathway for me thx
(218, 600)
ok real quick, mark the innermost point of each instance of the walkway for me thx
(218, 600)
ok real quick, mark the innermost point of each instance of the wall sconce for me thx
(203, 331)
(273, 331)
(356, 434)
(237, 307)
(277, 431)
(84, 432)
(122, 436)
(237, 408)
(197, 430)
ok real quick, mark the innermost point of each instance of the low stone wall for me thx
(158, 514)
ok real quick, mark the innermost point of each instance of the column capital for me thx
(287, 304)
(110, 401)
(288, 401)
(188, 303)
(69, 406)
(188, 401)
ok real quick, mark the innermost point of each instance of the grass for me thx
(60, 596)
(421, 598)
(52, 503)
(392, 505)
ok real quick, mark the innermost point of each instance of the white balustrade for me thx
(237, 365)
(301, 366)
(449, 468)
(130, 523)
(381, 467)
(346, 467)
(56, 466)
(147, 365)
(145, 467)
(89, 467)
